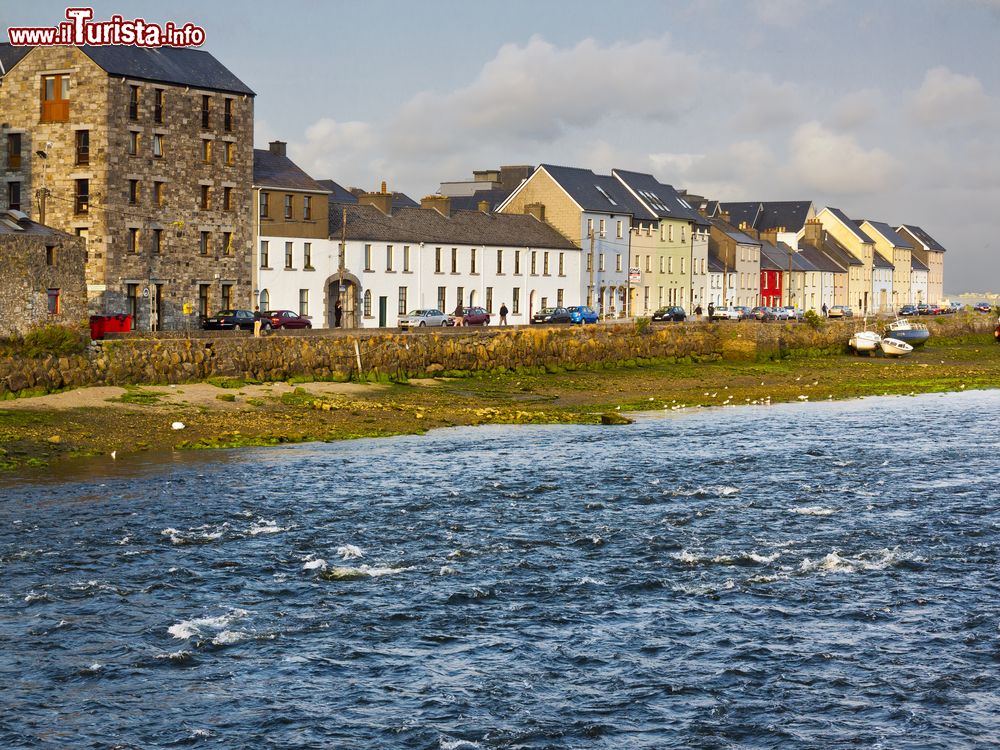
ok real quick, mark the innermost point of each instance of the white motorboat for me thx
(895, 348)
(915, 334)
(864, 341)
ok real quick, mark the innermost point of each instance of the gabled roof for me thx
(830, 247)
(660, 199)
(275, 171)
(715, 264)
(879, 261)
(887, 232)
(791, 215)
(417, 225)
(338, 193)
(929, 242)
(743, 213)
(493, 196)
(851, 226)
(820, 260)
(736, 234)
(918, 265)
(399, 200)
(778, 256)
(11, 56)
(597, 193)
(11, 223)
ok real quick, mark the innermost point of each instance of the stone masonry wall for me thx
(28, 277)
(152, 360)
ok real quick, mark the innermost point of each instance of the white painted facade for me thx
(882, 290)
(283, 275)
(604, 287)
(918, 285)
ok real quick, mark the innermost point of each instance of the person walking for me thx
(697, 311)
(503, 313)
(825, 310)
(459, 315)
(711, 309)
(338, 314)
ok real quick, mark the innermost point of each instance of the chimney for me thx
(440, 203)
(813, 232)
(484, 207)
(770, 235)
(383, 187)
(535, 209)
(724, 215)
(277, 147)
(382, 201)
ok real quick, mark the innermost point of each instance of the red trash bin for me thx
(118, 324)
(97, 327)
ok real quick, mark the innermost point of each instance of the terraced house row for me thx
(147, 156)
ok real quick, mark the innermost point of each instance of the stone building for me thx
(43, 280)
(147, 154)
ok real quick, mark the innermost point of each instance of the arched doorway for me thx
(349, 301)
(472, 298)
(531, 304)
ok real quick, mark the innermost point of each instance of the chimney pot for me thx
(277, 147)
(440, 203)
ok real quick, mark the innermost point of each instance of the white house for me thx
(882, 272)
(918, 281)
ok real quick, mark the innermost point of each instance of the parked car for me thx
(907, 310)
(227, 320)
(726, 313)
(673, 313)
(954, 307)
(551, 315)
(582, 314)
(762, 312)
(792, 313)
(935, 309)
(285, 319)
(840, 311)
(984, 307)
(780, 313)
(476, 316)
(424, 318)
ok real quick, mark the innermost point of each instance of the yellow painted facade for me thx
(859, 278)
(901, 261)
(662, 252)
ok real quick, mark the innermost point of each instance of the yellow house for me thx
(862, 247)
(899, 252)
(930, 252)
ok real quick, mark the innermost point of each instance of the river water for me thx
(820, 575)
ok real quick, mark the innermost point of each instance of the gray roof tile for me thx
(276, 171)
(11, 56)
(921, 235)
(598, 193)
(854, 228)
(663, 200)
(888, 232)
(880, 261)
(338, 193)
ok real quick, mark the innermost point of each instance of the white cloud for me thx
(947, 98)
(785, 13)
(836, 164)
(855, 109)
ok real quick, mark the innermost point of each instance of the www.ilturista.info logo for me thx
(80, 29)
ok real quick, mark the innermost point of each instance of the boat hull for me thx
(892, 347)
(914, 337)
(865, 341)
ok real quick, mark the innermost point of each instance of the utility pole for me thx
(590, 291)
(342, 259)
(789, 277)
(725, 278)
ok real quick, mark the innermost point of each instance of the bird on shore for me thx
(114, 455)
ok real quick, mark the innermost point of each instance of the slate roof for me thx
(879, 261)
(886, 231)
(663, 200)
(736, 234)
(399, 200)
(715, 264)
(920, 234)
(740, 213)
(777, 256)
(338, 193)
(11, 56)
(494, 197)
(461, 228)
(275, 171)
(849, 224)
(791, 215)
(819, 260)
(597, 193)
(11, 225)
(918, 265)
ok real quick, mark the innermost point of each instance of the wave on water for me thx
(349, 552)
(197, 535)
(264, 526)
(459, 745)
(739, 558)
(186, 629)
(834, 562)
(812, 510)
(701, 492)
(317, 564)
(344, 573)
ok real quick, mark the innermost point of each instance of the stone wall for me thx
(177, 359)
(31, 269)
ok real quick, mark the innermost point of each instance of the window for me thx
(133, 102)
(590, 227)
(670, 265)
(515, 301)
(157, 146)
(670, 233)
(454, 260)
(304, 302)
(649, 263)
(618, 262)
(368, 258)
(133, 143)
(288, 207)
(157, 241)
(368, 303)
(206, 150)
(600, 262)
(499, 262)
(204, 247)
(545, 263)
(264, 251)
(517, 262)
(603, 233)
(307, 255)
(132, 240)
(534, 263)
(402, 300)
(545, 302)
(227, 117)
(206, 111)
(159, 192)
(264, 205)
(227, 243)
(158, 105)
(54, 306)
(227, 296)
(55, 98)
(663, 230)
(203, 299)
(230, 153)
(559, 297)
(133, 192)
(619, 230)
(14, 195)
(388, 257)
(227, 199)
(472, 263)
(661, 264)
(682, 266)
(562, 264)
(206, 197)
(489, 299)
(82, 138)
(307, 207)
(288, 255)
(50, 255)
(442, 299)
(14, 151)
(460, 293)
(437, 260)
(682, 235)
(82, 197)
(406, 258)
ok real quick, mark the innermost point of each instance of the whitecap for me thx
(229, 637)
(764, 559)
(447, 570)
(812, 510)
(364, 571)
(459, 745)
(686, 557)
(349, 552)
(314, 564)
(727, 491)
(266, 527)
(198, 625)
(588, 581)
(32, 596)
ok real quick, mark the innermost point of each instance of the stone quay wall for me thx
(176, 358)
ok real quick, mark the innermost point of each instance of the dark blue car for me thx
(582, 314)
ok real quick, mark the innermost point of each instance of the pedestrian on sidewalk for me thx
(459, 315)
(503, 313)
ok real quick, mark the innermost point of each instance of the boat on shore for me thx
(914, 334)
(892, 347)
(864, 342)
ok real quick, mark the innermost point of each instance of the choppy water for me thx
(811, 575)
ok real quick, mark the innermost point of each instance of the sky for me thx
(887, 109)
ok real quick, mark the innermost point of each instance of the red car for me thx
(286, 319)
(476, 316)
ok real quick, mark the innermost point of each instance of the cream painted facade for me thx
(900, 257)
(933, 259)
(859, 282)
(662, 251)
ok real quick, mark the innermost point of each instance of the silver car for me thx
(424, 318)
